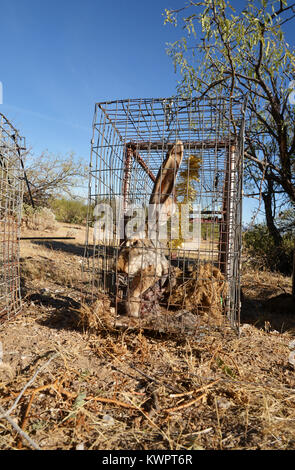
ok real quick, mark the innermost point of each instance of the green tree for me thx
(52, 177)
(236, 53)
(233, 53)
(72, 211)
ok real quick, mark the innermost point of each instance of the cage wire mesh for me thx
(11, 190)
(166, 166)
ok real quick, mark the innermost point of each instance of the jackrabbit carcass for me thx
(143, 259)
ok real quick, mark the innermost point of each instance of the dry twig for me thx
(27, 385)
(185, 405)
(191, 392)
(18, 429)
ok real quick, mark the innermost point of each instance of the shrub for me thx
(261, 247)
(70, 211)
(40, 218)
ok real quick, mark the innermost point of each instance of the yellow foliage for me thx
(186, 191)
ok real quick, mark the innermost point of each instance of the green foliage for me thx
(210, 231)
(261, 247)
(234, 52)
(225, 368)
(286, 221)
(244, 52)
(70, 211)
(53, 176)
(235, 47)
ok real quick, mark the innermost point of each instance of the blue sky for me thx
(60, 57)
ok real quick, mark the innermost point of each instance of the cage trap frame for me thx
(11, 191)
(131, 142)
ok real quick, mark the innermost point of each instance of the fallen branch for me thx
(27, 385)
(18, 429)
(91, 398)
(26, 415)
(5, 414)
(114, 402)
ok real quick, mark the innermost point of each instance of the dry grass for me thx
(129, 391)
(262, 285)
(97, 316)
(45, 269)
(117, 388)
(202, 293)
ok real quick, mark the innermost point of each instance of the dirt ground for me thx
(69, 388)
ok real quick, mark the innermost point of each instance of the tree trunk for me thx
(293, 277)
(273, 230)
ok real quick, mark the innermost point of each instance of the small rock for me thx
(109, 420)
(223, 403)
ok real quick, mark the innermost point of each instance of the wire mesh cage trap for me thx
(11, 147)
(165, 199)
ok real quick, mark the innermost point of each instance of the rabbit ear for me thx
(167, 174)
